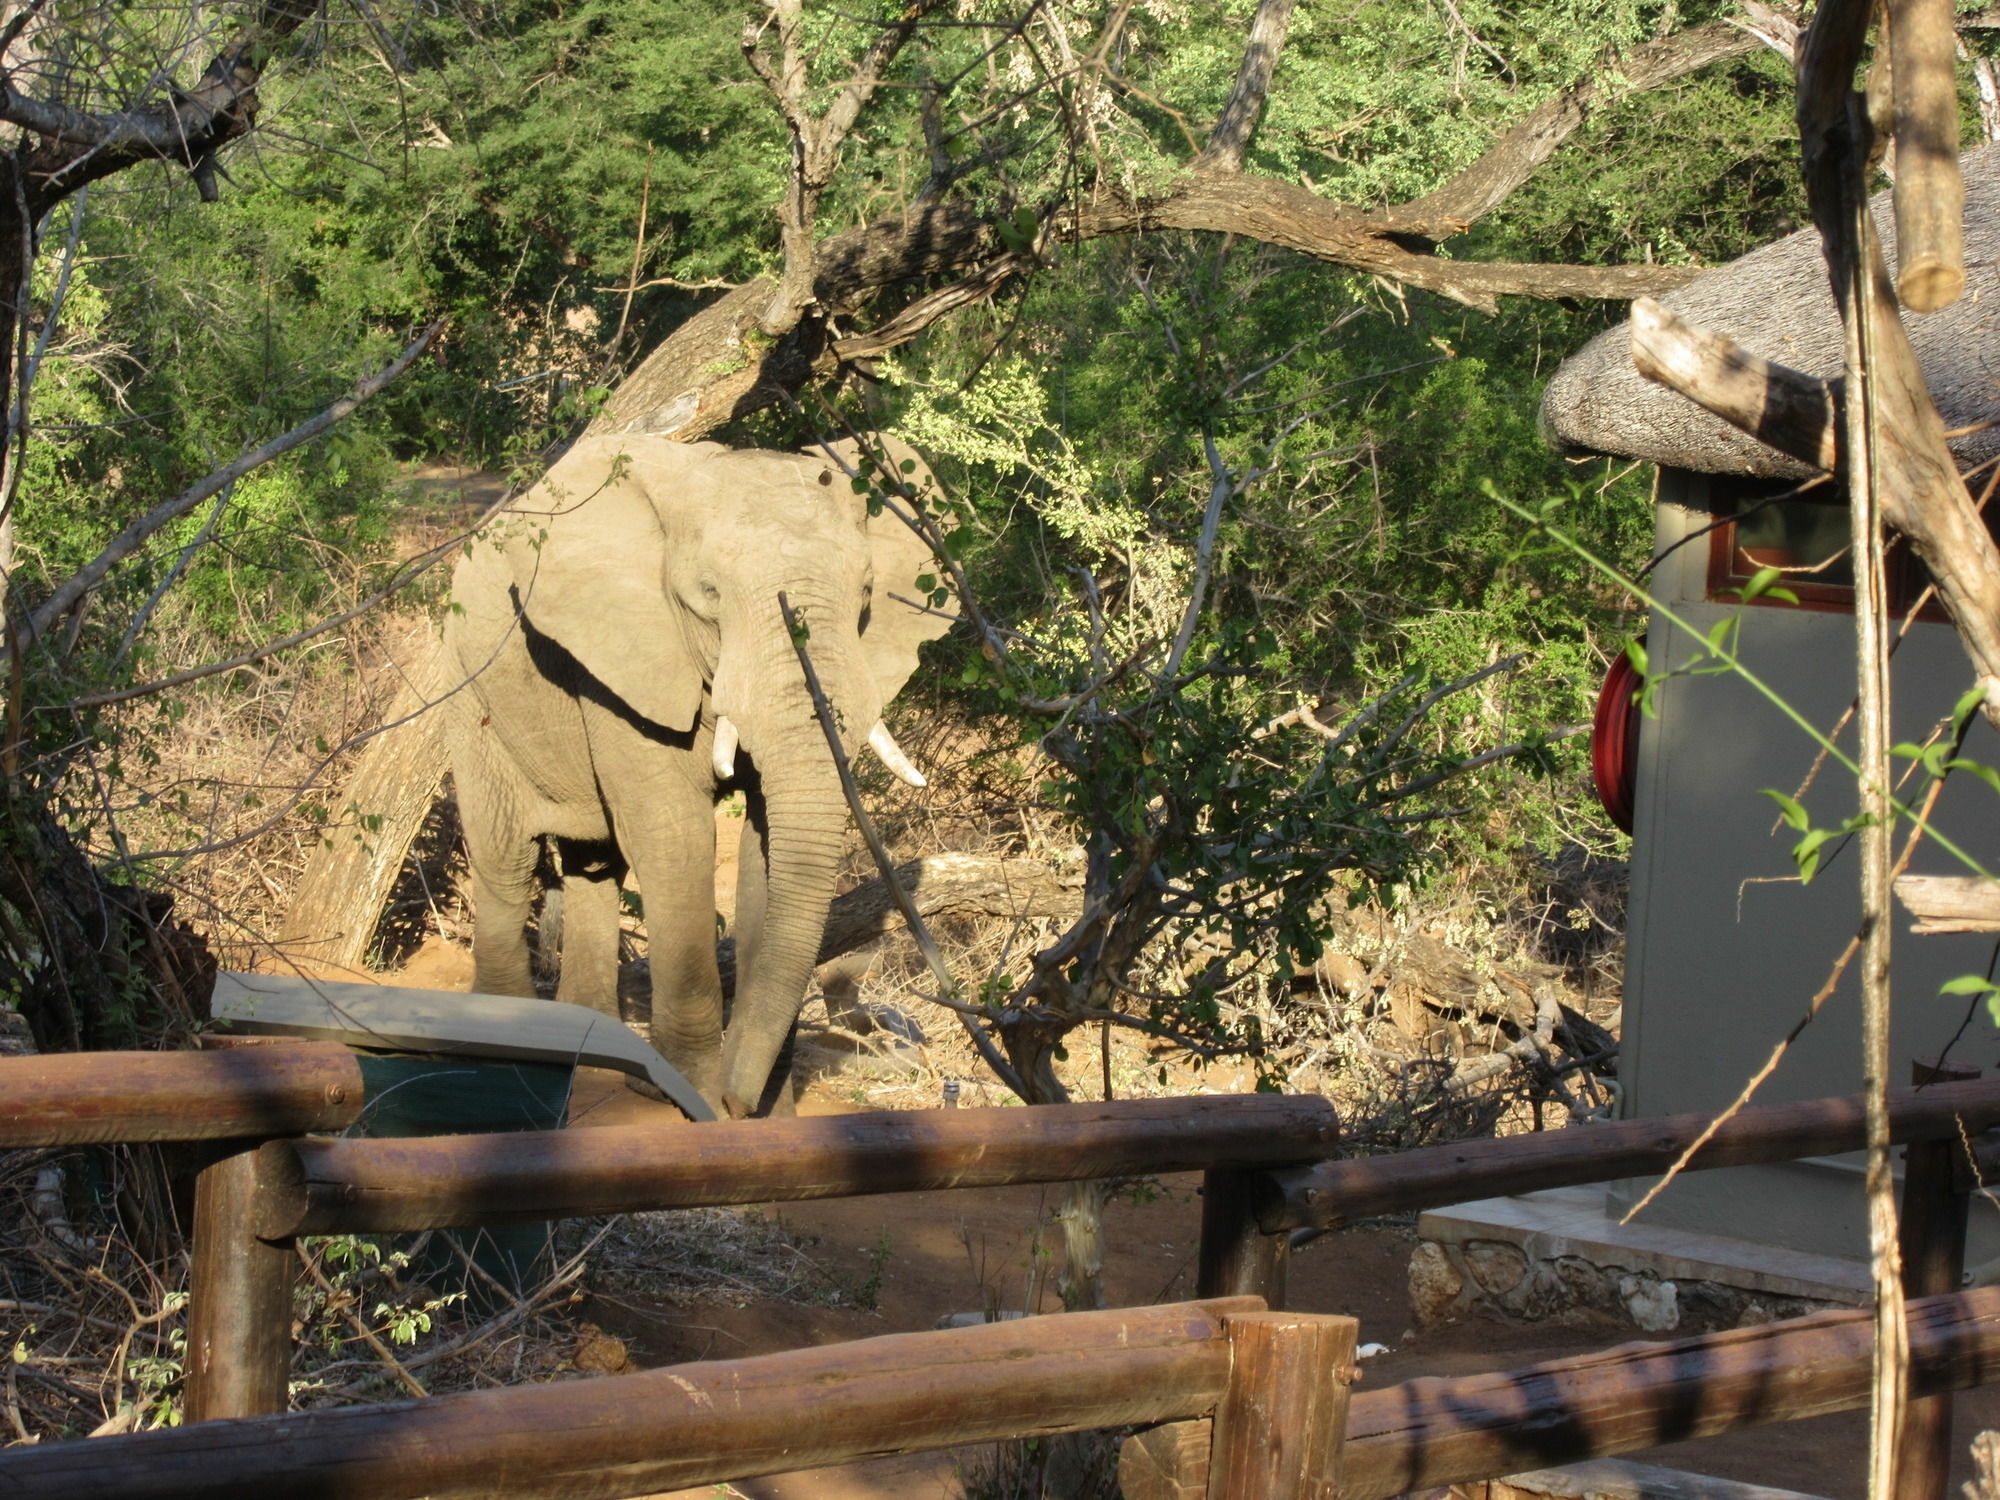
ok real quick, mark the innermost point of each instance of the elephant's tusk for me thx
(884, 744)
(725, 749)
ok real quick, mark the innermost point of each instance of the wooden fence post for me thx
(1280, 1426)
(1932, 1241)
(1237, 1258)
(239, 1354)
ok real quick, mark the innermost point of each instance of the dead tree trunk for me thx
(331, 919)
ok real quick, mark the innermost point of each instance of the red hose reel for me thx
(1614, 741)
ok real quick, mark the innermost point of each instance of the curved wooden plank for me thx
(410, 1020)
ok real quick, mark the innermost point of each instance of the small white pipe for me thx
(884, 744)
(724, 754)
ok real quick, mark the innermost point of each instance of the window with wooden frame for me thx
(1803, 532)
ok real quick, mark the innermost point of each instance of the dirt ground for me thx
(922, 1256)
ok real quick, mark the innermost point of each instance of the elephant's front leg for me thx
(673, 854)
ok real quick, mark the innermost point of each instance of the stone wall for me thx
(1496, 1278)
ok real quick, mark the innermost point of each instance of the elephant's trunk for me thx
(805, 819)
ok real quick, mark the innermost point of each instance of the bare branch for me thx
(1231, 137)
(1514, 158)
(77, 147)
(135, 535)
(1795, 413)
(698, 379)
(816, 143)
(1775, 28)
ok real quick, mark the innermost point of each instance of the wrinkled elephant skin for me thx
(626, 664)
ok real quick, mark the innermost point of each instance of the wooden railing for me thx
(1232, 1400)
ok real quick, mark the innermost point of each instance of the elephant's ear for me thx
(895, 629)
(596, 583)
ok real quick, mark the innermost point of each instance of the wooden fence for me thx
(1231, 1399)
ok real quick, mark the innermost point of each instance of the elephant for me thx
(625, 665)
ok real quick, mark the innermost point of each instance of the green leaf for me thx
(1969, 700)
(1805, 853)
(1969, 984)
(1794, 814)
(1974, 768)
(1635, 652)
(1760, 580)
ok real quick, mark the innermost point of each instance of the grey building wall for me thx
(1726, 947)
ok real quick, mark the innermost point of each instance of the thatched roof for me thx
(1776, 302)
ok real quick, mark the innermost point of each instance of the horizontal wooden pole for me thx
(243, 1093)
(737, 1419)
(687, 1425)
(370, 1186)
(1436, 1432)
(1340, 1192)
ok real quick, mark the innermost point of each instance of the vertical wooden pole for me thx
(239, 1354)
(1279, 1428)
(1237, 1258)
(1932, 1241)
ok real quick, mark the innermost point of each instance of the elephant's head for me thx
(663, 582)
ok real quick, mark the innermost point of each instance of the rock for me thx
(1652, 1305)
(599, 1353)
(1498, 1267)
(1435, 1284)
(1585, 1283)
(16, 1040)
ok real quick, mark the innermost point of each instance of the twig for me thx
(200, 539)
(1222, 485)
(638, 259)
(91, 574)
(355, 1321)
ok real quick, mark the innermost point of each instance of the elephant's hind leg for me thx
(592, 871)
